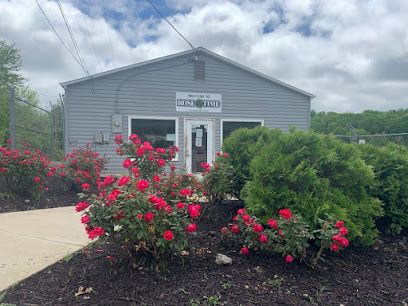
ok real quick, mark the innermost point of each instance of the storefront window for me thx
(229, 126)
(159, 132)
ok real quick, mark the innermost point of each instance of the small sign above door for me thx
(198, 102)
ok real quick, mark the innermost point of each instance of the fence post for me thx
(52, 115)
(12, 116)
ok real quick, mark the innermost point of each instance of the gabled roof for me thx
(192, 51)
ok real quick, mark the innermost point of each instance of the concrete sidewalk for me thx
(33, 240)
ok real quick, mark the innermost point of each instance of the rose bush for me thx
(152, 212)
(217, 178)
(287, 235)
(82, 168)
(24, 171)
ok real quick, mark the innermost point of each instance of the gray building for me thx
(192, 99)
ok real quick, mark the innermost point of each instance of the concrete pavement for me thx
(32, 240)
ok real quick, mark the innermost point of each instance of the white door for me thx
(199, 144)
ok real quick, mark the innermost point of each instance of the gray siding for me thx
(150, 90)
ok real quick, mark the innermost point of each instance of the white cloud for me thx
(352, 54)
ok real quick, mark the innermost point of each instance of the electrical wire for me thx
(89, 35)
(71, 34)
(60, 39)
(174, 28)
(110, 41)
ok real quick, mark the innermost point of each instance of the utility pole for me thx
(12, 116)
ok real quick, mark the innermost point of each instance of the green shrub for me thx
(241, 146)
(217, 179)
(314, 175)
(390, 164)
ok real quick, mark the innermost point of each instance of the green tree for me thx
(10, 65)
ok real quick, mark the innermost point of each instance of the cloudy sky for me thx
(352, 54)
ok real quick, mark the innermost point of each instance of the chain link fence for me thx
(378, 139)
(36, 127)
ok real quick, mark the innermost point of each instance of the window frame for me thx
(176, 127)
(261, 121)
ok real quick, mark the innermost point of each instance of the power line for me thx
(76, 47)
(110, 41)
(89, 35)
(59, 37)
(174, 28)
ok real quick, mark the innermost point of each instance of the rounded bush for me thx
(150, 210)
(24, 171)
(390, 164)
(242, 145)
(316, 176)
(82, 168)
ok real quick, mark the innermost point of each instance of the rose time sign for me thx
(198, 102)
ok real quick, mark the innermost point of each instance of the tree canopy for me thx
(367, 122)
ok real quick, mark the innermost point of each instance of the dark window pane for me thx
(229, 126)
(160, 133)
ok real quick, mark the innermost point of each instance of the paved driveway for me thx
(33, 240)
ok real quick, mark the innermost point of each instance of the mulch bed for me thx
(371, 276)
(59, 195)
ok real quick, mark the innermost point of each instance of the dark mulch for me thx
(372, 276)
(59, 195)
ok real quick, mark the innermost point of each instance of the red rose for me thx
(127, 163)
(139, 216)
(192, 227)
(37, 179)
(161, 162)
(285, 213)
(180, 205)
(262, 238)
(81, 206)
(156, 178)
(224, 230)
(168, 235)
(272, 223)
(161, 150)
(246, 218)
(85, 186)
(226, 155)
(194, 211)
(185, 192)
(118, 139)
(289, 258)
(85, 219)
(235, 229)
(241, 211)
(343, 231)
(123, 180)
(339, 224)
(257, 228)
(140, 151)
(96, 232)
(337, 238)
(133, 137)
(244, 251)
(334, 247)
(149, 217)
(142, 185)
(344, 242)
